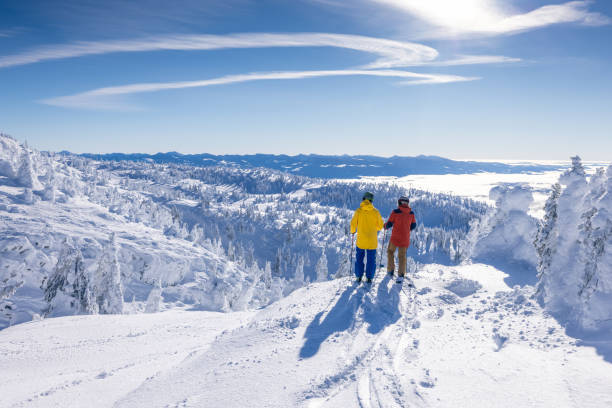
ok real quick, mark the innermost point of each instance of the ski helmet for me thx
(368, 196)
(403, 199)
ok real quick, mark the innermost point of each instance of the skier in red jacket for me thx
(402, 221)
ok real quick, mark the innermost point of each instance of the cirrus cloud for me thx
(106, 98)
(390, 53)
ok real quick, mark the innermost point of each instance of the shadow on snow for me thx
(379, 312)
(384, 310)
(600, 340)
(519, 273)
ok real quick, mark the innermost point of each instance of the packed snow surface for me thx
(461, 338)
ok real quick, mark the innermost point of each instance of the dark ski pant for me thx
(370, 267)
(401, 254)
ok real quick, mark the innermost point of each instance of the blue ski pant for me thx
(370, 267)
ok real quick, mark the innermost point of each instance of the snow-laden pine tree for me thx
(67, 291)
(576, 258)
(154, 298)
(321, 270)
(247, 294)
(231, 255)
(26, 176)
(562, 277)
(267, 276)
(546, 239)
(276, 291)
(108, 288)
(594, 311)
(50, 183)
(299, 272)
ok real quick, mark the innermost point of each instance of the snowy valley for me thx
(142, 283)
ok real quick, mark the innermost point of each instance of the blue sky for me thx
(486, 79)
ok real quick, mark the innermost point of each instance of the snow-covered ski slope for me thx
(461, 338)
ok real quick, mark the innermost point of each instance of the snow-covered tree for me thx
(299, 272)
(108, 288)
(595, 291)
(154, 298)
(276, 291)
(560, 280)
(67, 291)
(50, 186)
(321, 270)
(505, 234)
(546, 239)
(575, 280)
(267, 276)
(26, 176)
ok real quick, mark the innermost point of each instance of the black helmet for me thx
(368, 196)
(403, 199)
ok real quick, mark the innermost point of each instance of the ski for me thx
(409, 283)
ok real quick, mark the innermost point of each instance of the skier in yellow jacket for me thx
(366, 222)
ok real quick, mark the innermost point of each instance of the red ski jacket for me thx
(402, 221)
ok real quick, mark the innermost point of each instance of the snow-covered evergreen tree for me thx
(594, 311)
(267, 276)
(67, 291)
(299, 272)
(50, 186)
(574, 248)
(26, 176)
(276, 291)
(154, 299)
(108, 288)
(546, 239)
(321, 270)
(560, 281)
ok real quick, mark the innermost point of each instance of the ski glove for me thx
(388, 225)
(412, 226)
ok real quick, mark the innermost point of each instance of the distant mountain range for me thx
(332, 166)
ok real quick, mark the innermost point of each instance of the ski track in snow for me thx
(326, 345)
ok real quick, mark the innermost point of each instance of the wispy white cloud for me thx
(475, 60)
(106, 98)
(390, 53)
(9, 33)
(493, 17)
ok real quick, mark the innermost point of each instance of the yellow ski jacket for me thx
(367, 222)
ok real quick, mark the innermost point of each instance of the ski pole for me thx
(382, 249)
(352, 241)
